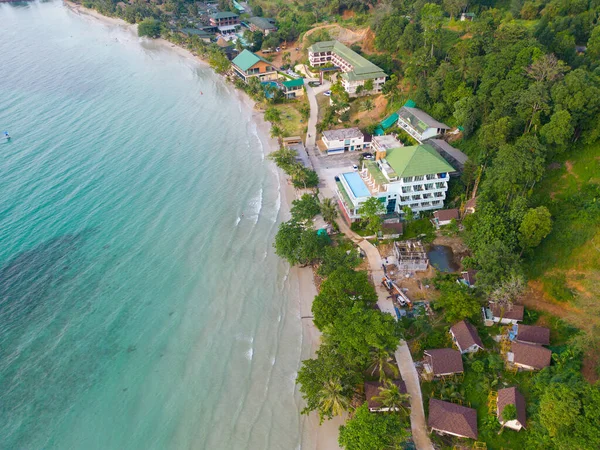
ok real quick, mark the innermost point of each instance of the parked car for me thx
(367, 155)
(278, 49)
(355, 167)
(327, 93)
(314, 84)
(336, 178)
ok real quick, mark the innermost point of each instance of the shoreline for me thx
(313, 436)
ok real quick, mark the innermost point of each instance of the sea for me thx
(141, 303)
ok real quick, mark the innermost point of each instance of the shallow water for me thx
(141, 304)
(442, 258)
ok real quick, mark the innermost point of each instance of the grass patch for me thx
(292, 122)
(418, 228)
(572, 194)
(556, 287)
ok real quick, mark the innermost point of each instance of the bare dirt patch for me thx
(367, 117)
(344, 35)
(570, 171)
(348, 14)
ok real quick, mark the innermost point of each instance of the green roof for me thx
(417, 160)
(389, 121)
(196, 32)
(293, 83)
(224, 15)
(247, 59)
(363, 68)
(263, 23)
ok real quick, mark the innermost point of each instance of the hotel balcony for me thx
(373, 177)
(410, 130)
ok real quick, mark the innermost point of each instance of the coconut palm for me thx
(333, 399)
(329, 210)
(381, 360)
(390, 397)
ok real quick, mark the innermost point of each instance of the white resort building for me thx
(340, 141)
(415, 176)
(355, 69)
(419, 124)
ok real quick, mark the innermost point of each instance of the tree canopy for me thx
(368, 431)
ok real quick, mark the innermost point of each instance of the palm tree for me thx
(367, 105)
(333, 399)
(380, 361)
(390, 397)
(329, 210)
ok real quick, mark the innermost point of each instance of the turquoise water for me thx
(141, 304)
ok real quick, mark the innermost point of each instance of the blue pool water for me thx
(358, 186)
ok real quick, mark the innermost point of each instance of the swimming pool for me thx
(357, 185)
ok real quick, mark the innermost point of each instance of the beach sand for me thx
(314, 436)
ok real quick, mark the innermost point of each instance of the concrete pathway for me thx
(311, 93)
(418, 425)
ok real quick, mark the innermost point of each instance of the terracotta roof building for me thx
(443, 361)
(529, 357)
(445, 216)
(372, 391)
(533, 335)
(465, 337)
(449, 418)
(511, 396)
(511, 314)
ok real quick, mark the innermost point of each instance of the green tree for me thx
(458, 302)
(368, 85)
(431, 20)
(149, 27)
(367, 105)
(356, 331)
(338, 257)
(454, 7)
(368, 431)
(284, 158)
(382, 361)
(342, 289)
(318, 372)
(370, 211)
(298, 245)
(559, 131)
(273, 115)
(304, 178)
(409, 215)
(218, 61)
(391, 397)
(334, 399)
(305, 208)
(536, 225)
(329, 210)
(287, 241)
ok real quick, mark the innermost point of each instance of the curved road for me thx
(403, 357)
